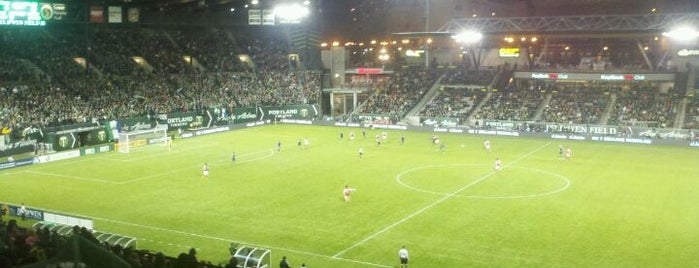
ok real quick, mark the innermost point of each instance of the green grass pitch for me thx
(611, 205)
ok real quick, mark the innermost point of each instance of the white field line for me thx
(175, 150)
(70, 177)
(562, 178)
(270, 154)
(439, 201)
(214, 238)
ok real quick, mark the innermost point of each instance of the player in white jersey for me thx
(569, 153)
(361, 152)
(486, 145)
(306, 142)
(403, 256)
(351, 135)
(205, 172)
(347, 192)
(498, 164)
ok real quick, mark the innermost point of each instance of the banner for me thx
(96, 149)
(287, 112)
(181, 120)
(368, 119)
(97, 14)
(136, 123)
(93, 137)
(114, 14)
(244, 115)
(216, 117)
(31, 213)
(133, 15)
(440, 122)
(72, 128)
(62, 142)
(628, 77)
(19, 163)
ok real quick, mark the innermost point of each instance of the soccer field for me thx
(610, 205)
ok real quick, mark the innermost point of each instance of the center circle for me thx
(523, 182)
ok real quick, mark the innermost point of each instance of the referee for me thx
(403, 255)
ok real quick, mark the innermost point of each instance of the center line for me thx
(439, 201)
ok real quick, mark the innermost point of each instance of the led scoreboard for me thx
(23, 13)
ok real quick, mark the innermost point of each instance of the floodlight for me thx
(682, 34)
(291, 12)
(384, 57)
(468, 37)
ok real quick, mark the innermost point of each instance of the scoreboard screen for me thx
(20, 13)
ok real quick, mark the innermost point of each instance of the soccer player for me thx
(486, 145)
(498, 164)
(435, 139)
(384, 135)
(306, 142)
(569, 153)
(402, 140)
(361, 152)
(169, 144)
(347, 192)
(364, 133)
(560, 151)
(298, 144)
(279, 145)
(342, 135)
(233, 158)
(443, 147)
(403, 256)
(205, 172)
(378, 140)
(351, 136)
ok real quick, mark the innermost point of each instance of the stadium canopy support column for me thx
(645, 55)
(541, 53)
(427, 30)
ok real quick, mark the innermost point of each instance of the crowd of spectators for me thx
(691, 120)
(576, 104)
(456, 102)
(465, 76)
(512, 103)
(211, 47)
(21, 246)
(645, 107)
(112, 85)
(400, 93)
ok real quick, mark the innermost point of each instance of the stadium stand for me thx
(401, 93)
(643, 106)
(579, 105)
(511, 104)
(692, 114)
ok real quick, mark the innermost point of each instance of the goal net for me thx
(129, 141)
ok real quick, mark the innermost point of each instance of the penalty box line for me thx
(439, 201)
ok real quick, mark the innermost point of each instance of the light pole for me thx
(427, 29)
